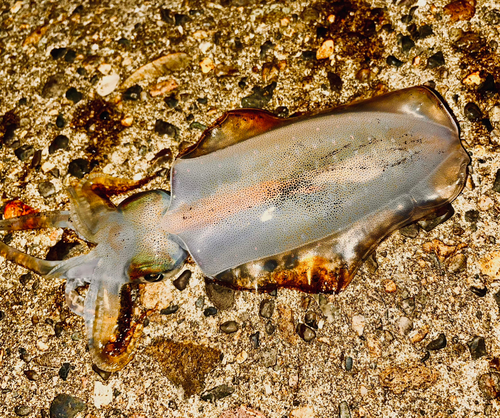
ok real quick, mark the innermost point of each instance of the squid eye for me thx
(154, 277)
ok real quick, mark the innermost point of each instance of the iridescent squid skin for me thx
(259, 203)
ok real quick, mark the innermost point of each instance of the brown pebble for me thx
(390, 286)
(460, 10)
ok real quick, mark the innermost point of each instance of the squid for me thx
(260, 202)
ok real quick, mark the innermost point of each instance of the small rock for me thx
(183, 280)
(46, 189)
(107, 84)
(437, 344)
(335, 82)
(222, 297)
(57, 53)
(406, 44)
(229, 327)
(54, 86)
(31, 375)
(390, 286)
(489, 385)
(325, 50)
(485, 203)
(260, 96)
(306, 333)
(436, 60)
(66, 406)
(64, 371)
(472, 112)
(457, 263)
(24, 152)
(207, 65)
(211, 311)
(265, 48)
(311, 319)
(405, 325)
(269, 358)
(70, 56)
(479, 291)
(133, 93)
(270, 328)
(59, 142)
(171, 101)
(78, 167)
(490, 265)
(266, 308)
(344, 411)
(302, 412)
(255, 339)
(410, 231)
(477, 347)
(169, 310)
(165, 128)
(23, 410)
(127, 121)
(60, 122)
(348, 363)
(393, 61)
(358, 324)
(74, 95)
(217, 393)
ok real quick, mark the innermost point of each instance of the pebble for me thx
(457, 263)
(266, 308)
(57, 53)
(302, 412)
(107, 84)
(66, 406)
(472, 112)
(70, 56)
(306, 333)
(489, 385)
(229, 327)
(406, 44)
(477, 347)
(255, 339)
(393, 61)
(437, 344)
(59, 142)
(169, 310)
(398, 379)
(405, 325)
(344, 411)
(206, 65)
(24, 152)
(335, 82)
(421, 32)
(74, 95)
(260, 96)
(78, 167)
(165, 128)
(358, 324)
(217, 393)
(471, 216)
(265, 48)
(348, 363)
(222, 297)
(171, 101)
(485, 203)
(311, 319)
(46, 189)
(269, 358)
(60, 122)
(210, 311)
(23, 410)
(390, 286)
(64, 371)
(132, 93)
(183, 280)
(479, 291)
(436, 60)
(197, 125)
(54, 86)
(270, 328)
(325, 50)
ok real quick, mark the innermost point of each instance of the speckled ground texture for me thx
(414, 288)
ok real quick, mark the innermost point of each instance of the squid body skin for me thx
(259, 203)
